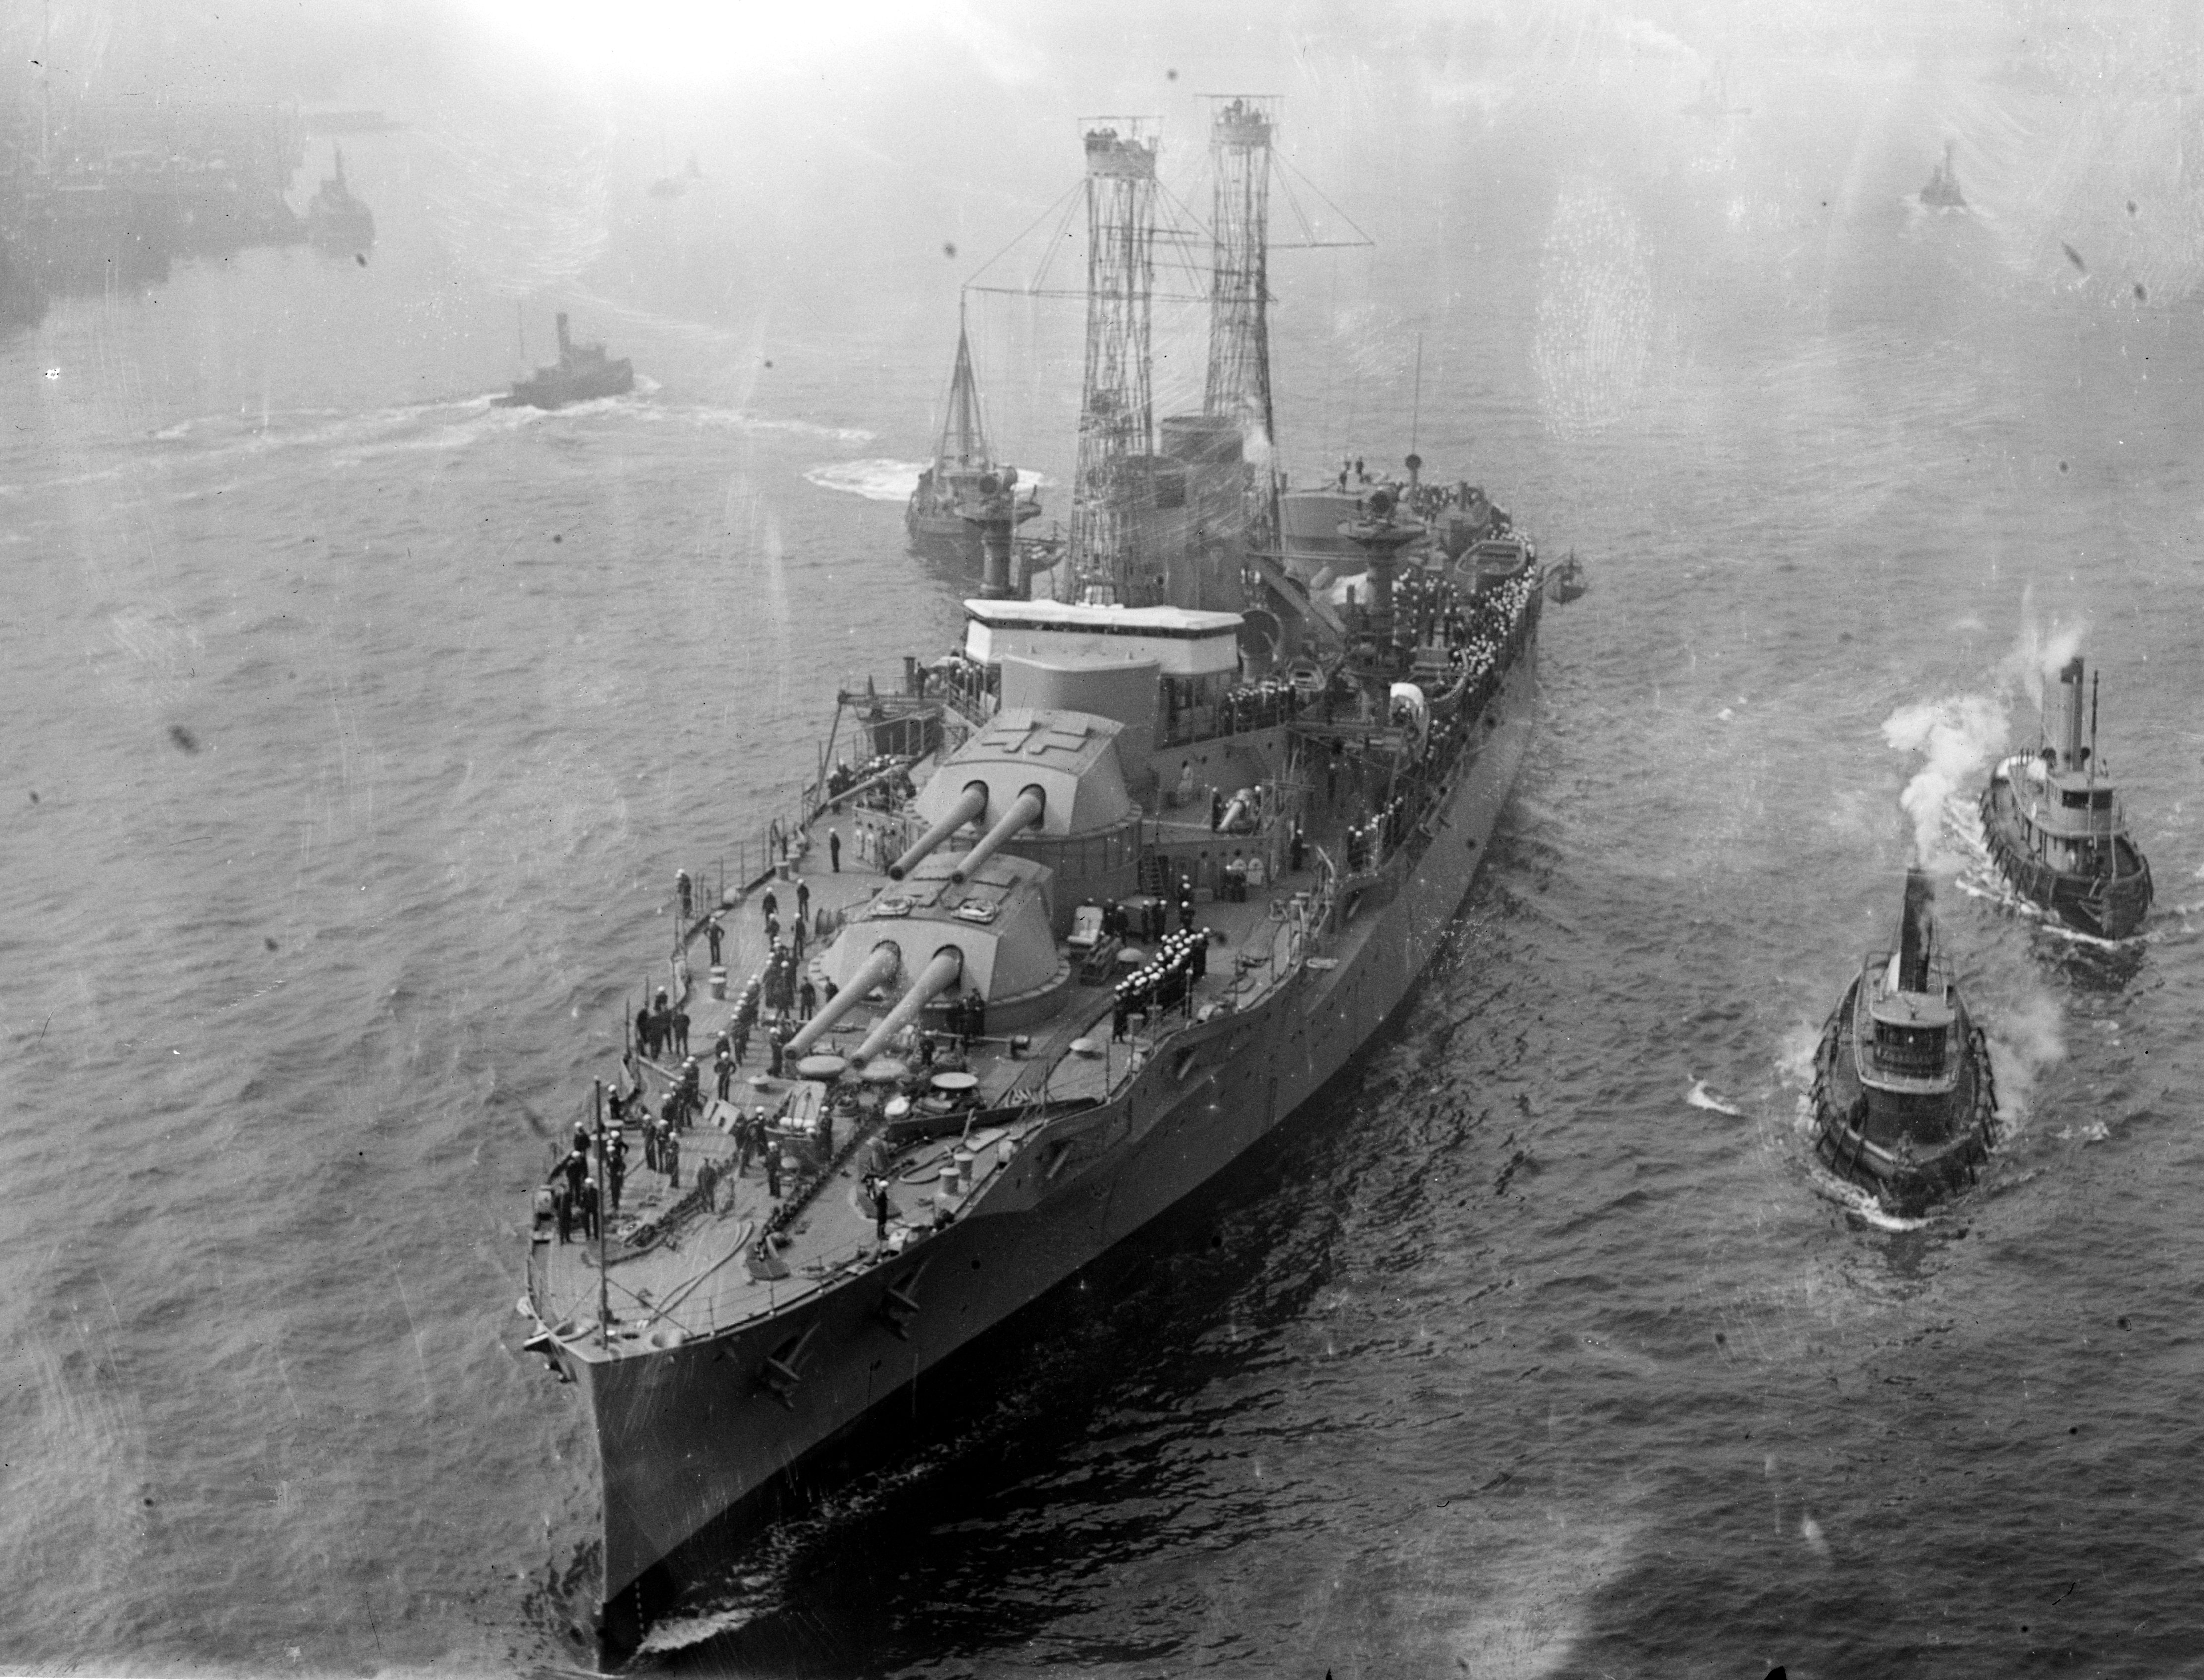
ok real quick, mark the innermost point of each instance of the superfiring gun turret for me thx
(1027, 809)
(970, 806)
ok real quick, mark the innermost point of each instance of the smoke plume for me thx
(1960, 736)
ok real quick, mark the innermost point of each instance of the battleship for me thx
(583, 372)
(933, 517)
(1904, 1103)
(2058, 828)
(1942, 192)
(335, 220)
(1078, 910)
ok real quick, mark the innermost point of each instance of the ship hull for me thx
(1909, 1152)
(2088, 903)
(686, 1434)
(616, 379)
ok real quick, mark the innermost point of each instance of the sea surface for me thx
(356, 729)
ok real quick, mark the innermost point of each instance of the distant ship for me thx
(1942, 192)
(671, 186)
(1904, 1103)
(934, 516)
(1714, 99)
(583, 372)
(2058, 831)
(335, 221)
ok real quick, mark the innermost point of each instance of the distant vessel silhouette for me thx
(583, 372)
(337, 221)
(1942, 192)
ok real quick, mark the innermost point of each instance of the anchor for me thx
(899, 1305)
(780, 1376)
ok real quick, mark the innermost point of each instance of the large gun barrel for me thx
(968, 808)
(943, 973)
(878, 970)
(1025, 810)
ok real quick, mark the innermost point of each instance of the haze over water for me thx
(357, 728)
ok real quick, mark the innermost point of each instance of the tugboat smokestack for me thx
(2069, 715)
(1918, 930)
(968, 809)
(1024, 812)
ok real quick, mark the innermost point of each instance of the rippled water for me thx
(357, 728)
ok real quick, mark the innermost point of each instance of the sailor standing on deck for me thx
(589, 1208)
(770, 905)
(723, 1065)
(669, 1160)
(834, 848)
(713, 933)
(802, 901)
(615, 1171)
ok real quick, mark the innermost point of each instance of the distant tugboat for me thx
(2058, 830)
(1904, 1101)
(583, 372)
(1942, 192)
(335, 221)
(933, 517)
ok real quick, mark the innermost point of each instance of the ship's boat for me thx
(335, 220)
(963, 472)
(1089, 912)
(2054, 821)
(1567, 582)
(583, 372)
(1942, 192)
(1904, 1103)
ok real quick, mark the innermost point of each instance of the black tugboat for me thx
(337, 221)
(583, 372)
(2055, 824)
(1942, 192)
(1905, 1105)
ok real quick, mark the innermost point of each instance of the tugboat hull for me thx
(2110, 909)
(1910, 1152)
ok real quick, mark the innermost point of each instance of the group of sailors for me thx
(578, 1200)
(661, 1028)
(969, 683)
(1369, 842)
(1165, 980)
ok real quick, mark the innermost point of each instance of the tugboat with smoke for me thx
(1904, 1104)
(2055, 824)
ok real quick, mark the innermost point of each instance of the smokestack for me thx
(563, 346)
(2069, 715)
(1919, 929)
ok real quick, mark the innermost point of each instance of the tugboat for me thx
(1905, 1105)
(583, 372)
(2058, 828)
(1942, 192)
(934, 516)
(335, 221)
